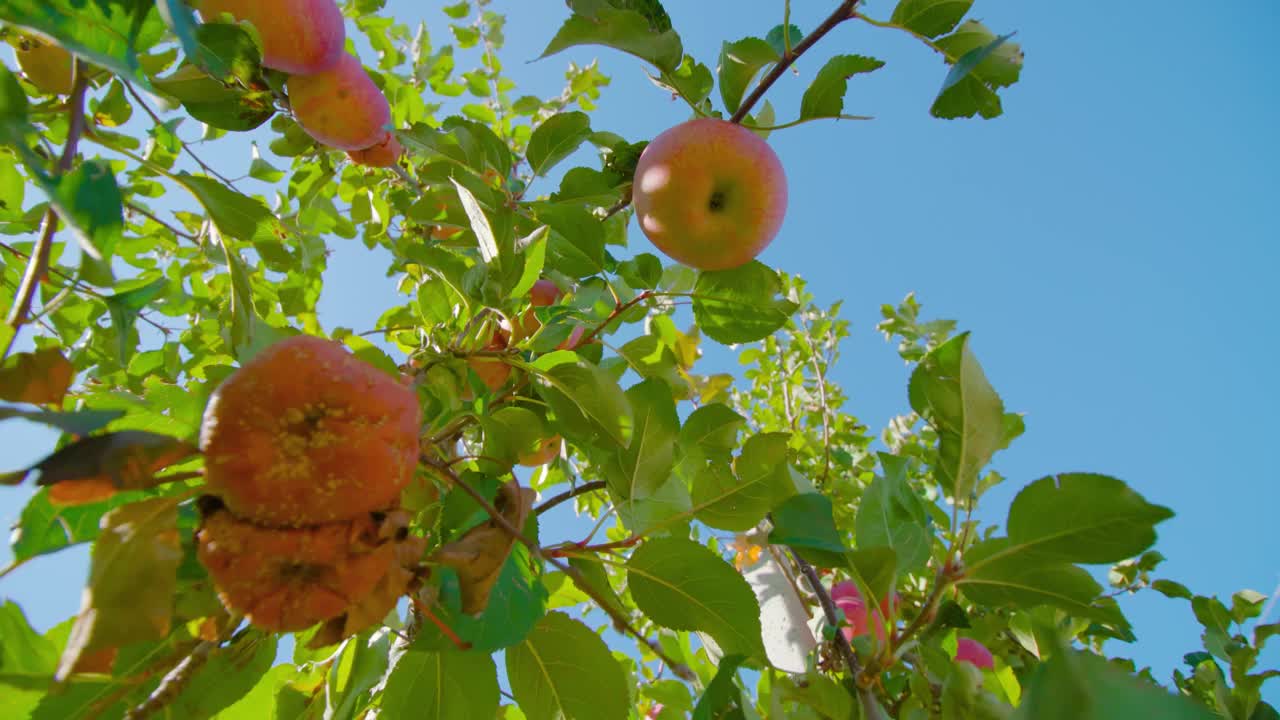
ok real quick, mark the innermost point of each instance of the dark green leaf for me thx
(240, 216)
(555, 139)
(740, 305)
(712, 430)
(722, 700)
(642, 272)
(805, 523)
(739, 63)
(564, 671)
(998, 575)
(825, 95)
(891, 514)
(595, 23)
(682, 585)
(930, 18)
(124, 309)
(444, 685)
(88, 200)
(783, 38)
(1084, 518)
(76, 422)
(983, 64)
(949, 390)
(1076, 685)
(576, 246)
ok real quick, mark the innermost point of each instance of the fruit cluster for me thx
(307, 449)
(332, 96)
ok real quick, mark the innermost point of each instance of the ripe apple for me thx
(543, 293)
(300, 37)
(975, 653)
(384, 155)
(340, 107)
(848, 598)
(709, 193)
(492, 371)
(46, 65)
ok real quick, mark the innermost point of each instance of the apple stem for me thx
(842, 13)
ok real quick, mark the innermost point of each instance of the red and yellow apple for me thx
(493, 372)
(543, 293)
(383, 155)
(46, 65)
(340, 107)
(710, 194)
(300, 37)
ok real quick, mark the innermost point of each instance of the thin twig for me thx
(151, 216)
(39, 262)
(842, 13)
(617, 310)
(147, 108)
(568, 495)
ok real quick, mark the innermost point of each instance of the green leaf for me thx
(722, 699)
(445, 685)
(576, 246)
(998, 574)
(240, 216)
(124, 309)
(23, 650)
(479, 223)
(88, 200)
(44, 527)
(740, 305)
(132, 579)
(1075, 685)
(712, 430)
(231, 672)
(691, 81)
(516, 602)
(240, 304)
(587, 403)
(739, 63)
(1171, 589)
(555, 139)
(564, 671)
(1085, 518)
(891, 514)
(825, 95)
(983, 64)
(738, 499)
(108, 33)
(806, 524)
(930, 18)
(76, 422)
(682, 585)
(783, 38)
(949, 390)
(643, 272)
(645, 464)
(596, 23)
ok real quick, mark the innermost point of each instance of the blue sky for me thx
(1110, 241)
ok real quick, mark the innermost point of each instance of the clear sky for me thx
(1111, 241)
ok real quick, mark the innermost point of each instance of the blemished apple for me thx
(46, 65)
(975, 653)
(383, 155)
(300, 37)
(710, 194)
(340, 107)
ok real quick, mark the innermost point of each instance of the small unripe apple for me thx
(47, 66)
(975, 653)
(709, 193)
(546, 451)
(340, 107)
(384, 155)
(300, 37)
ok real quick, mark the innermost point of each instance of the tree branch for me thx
(39, 262)
(568, 495)
(842, 13)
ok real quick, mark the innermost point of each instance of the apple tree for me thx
(521, 495)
